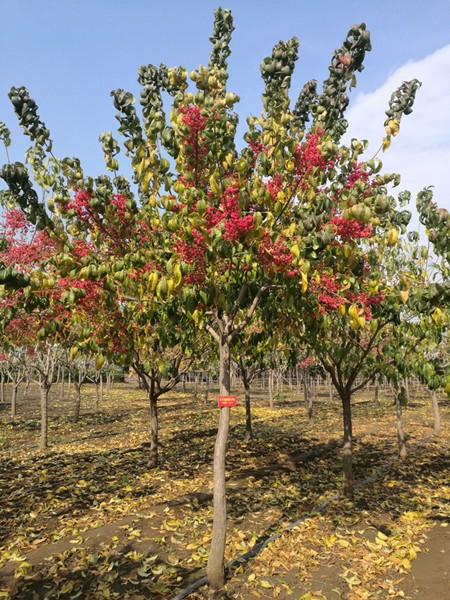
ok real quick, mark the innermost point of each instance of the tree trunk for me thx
(63, 376)
(45, 388)
(215, 569)
(77, 404)
(271, 389)
(400, 433)
(376, 390)
(437, 416)
(348, 445)
(14, 400)
(153, 457)
(308, 397)
(207, 388)
(196, 376)
(97, 397)
(2, 389)
(248, 412)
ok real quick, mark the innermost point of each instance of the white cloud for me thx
(421, 151)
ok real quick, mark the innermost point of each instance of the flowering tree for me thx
(214, 233)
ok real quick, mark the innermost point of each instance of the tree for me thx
(215, 230)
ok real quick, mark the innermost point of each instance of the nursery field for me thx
(89, 519)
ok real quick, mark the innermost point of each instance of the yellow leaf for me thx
(304, 282)
(406, 563)
(295, 250)
(392, 236)
(251, 577)
(266, 584)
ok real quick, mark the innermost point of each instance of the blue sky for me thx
(72, 53)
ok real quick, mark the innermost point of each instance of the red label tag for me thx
(226, 401)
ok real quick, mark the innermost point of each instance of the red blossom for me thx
(351, 229)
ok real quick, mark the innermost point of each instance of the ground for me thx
(89, 519)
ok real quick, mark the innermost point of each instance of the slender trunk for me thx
(2, 389)
(307, 396)
(45, 388)
(330, 388)
(406, 386)
(14, 399)
(77, 405)
(271, 389)
(196, 376)
(62, 384)
(400, 433)
(215, 569)
(248, 413)
(153, 398)
(348, 445)
(101, 388)
(207, 388)
(437, 416)
(376, 390)
(69, 384)
(97, 397)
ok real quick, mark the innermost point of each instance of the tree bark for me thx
(437, 416)
(402, 450)
(62, 389)
(376, 390)
(2, 389)
(215, 569)
(348, 445)
(248, 411)
(45, 388)
(207, 388)
(153, 456)
(271, 389)
(14, 400)
(77, 404)
(97, 397)
(308, 396)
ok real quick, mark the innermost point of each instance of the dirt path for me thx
(430, 573)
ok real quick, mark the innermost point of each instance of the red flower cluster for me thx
(120, 201)
(308, 157)
(357, 174)
(81, 248)
(193, 253)
(25, 246)
(80, 205)
(195, 142)
(256, 147)
(276, 256)
(14, 223)
(306, 362)
(229, 213)
(327, 292)
(351, 229)
(90, 300)
(274, 186)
